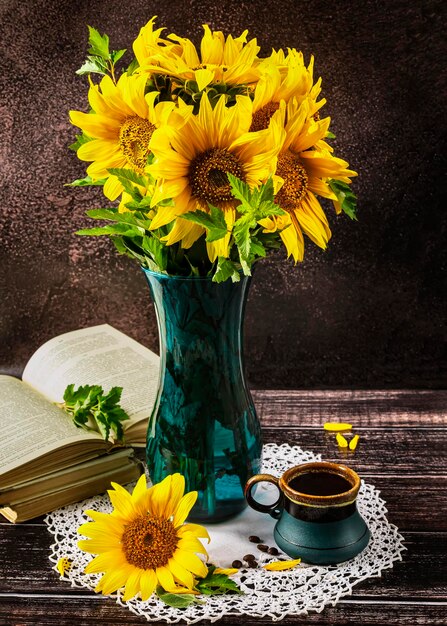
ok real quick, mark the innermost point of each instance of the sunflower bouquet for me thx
(213, 157)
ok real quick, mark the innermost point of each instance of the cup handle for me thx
(272, 509)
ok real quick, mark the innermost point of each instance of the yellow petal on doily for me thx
(342, 441)
(229, 571)
(353, 443)
(279, 566)
(336, 427)
(63, 565)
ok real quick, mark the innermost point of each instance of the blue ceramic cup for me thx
(317, 514)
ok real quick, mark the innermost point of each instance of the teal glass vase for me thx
(204, 424)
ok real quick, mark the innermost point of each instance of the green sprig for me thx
(212, 584)
(100, 59)
(346, 197)
(92, 409)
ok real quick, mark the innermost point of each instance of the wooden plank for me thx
(383, 452)
(423, 567)
(311, 408)
(30, 611)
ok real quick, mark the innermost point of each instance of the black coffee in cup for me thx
(320, 483)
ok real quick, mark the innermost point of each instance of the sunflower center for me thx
(208, 175)
(149, 542)
(135, 134)
(295, 181)
(261, 118)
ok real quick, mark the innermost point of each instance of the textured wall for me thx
(369, 312)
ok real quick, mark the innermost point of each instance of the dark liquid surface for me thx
(320, 484)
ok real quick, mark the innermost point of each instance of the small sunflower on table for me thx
(214, 157)
(144, 543)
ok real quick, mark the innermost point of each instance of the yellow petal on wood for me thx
(279, 566)
(336, 427)
(63, 565)
(353, 443)
(342, 441)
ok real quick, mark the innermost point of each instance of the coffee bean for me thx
(273, 551)
(237, 564)
(254, 539)
(252, 564)
(262, 547)
(249, 557)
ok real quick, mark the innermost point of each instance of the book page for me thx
(31, 426)
(100, 355)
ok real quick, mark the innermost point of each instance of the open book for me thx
(45, 460)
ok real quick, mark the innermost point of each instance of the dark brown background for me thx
(369, 312)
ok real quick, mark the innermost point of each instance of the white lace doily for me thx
(266, 593)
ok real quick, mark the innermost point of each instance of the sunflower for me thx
(192, 162)
(149, 46)
(284, 77)
(303, 172)
(231, 61)
(144, 541)
(120, 127)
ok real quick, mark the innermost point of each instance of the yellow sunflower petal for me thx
(112, 559)
(184, 507)
(203, 78)
(192, 544)
(97, 530)
(132, 584)
(180, 573)
(121, 500)
(279, 566)
(140, 488)
(335, 427)
(148, 582)
(194, 530)
(191, 562)
(114, 580)
(159, 495)
(342, 441)
(292, 238)
(97, 126)
(165, 578)
(97, 150)
(112, 188)
(96, 546)
(353, 443)
(185, 231)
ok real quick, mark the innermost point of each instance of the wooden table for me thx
(402, 451)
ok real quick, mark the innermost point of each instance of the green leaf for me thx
(91, 409)
(156, 250)
(241, 232)
(226, 269)
(79, 141)
(86, 182)
(240, 190)
(125, 174)
(177, 600)
(217, 584)
(214, 222)
(93, 65)
(99, 44)
(119, 228)
(126, 178)
(347, 199)
(116, 55)
(132, 67)
(330, 135)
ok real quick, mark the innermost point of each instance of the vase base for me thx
(223, 512)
